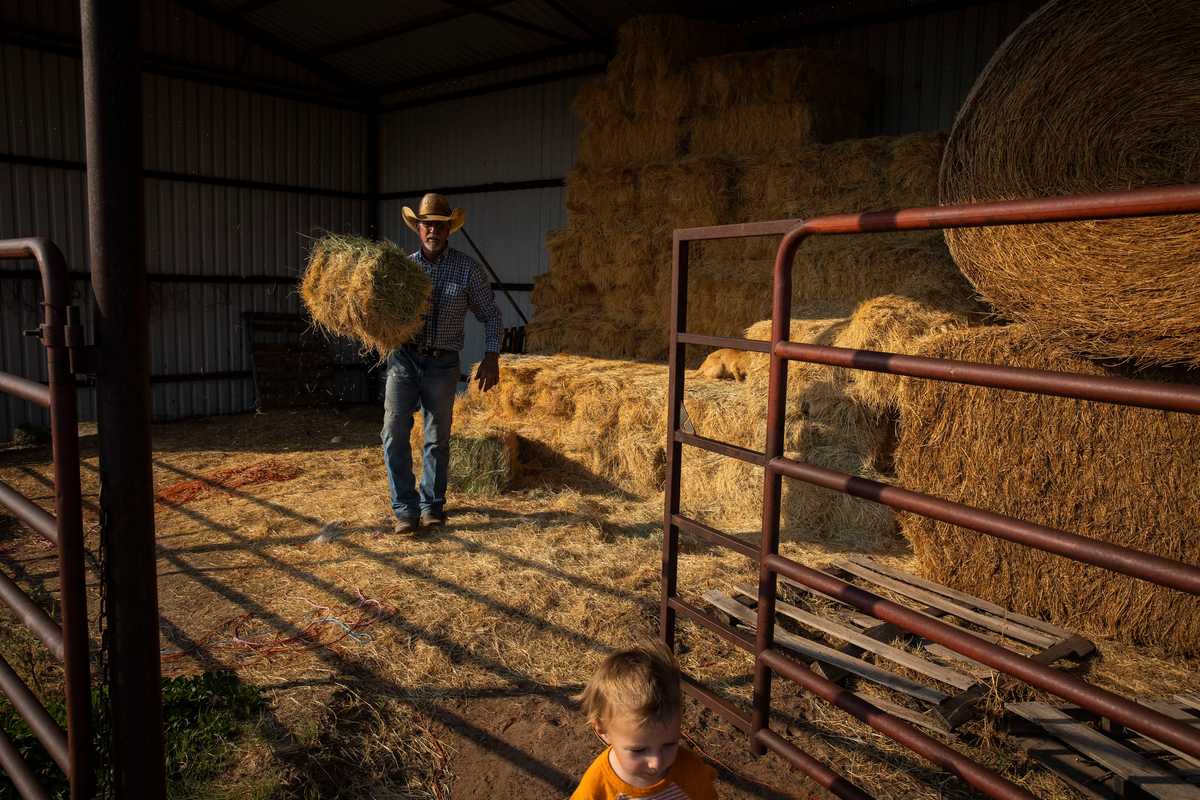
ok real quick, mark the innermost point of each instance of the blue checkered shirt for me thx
(458, 284)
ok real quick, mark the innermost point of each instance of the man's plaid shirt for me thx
(458, 284)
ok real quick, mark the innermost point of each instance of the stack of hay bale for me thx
(1049, 117)
(679, 134)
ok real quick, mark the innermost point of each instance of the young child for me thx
(633, 702)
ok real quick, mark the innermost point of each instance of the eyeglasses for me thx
(434, 224)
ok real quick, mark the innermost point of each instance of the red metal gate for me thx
(62, 336)
(768, 658)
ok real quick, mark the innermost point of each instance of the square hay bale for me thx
(483, 458)
(606, 420)
(365, 290)
(688, 193)
(602, 192)
(626, 143)
(604, 101)
(752, 130)
(659, 44)
(778, 77)
(1121, 475)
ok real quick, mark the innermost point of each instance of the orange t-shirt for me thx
(689, 778)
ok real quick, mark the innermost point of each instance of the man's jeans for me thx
(429, 383)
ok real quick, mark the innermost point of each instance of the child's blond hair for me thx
(641, 682)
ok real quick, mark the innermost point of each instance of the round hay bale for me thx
(1121, 475)
(365, 290)
(1087, 96)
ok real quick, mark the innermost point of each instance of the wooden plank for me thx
(819, 652)
(881, 649)
(969, 599)
(903, 712)
(1176, 713)
(1131, 767)
(1010, 629)
(1189, 700)
(1082, 774)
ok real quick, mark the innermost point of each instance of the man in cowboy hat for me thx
(425, 372)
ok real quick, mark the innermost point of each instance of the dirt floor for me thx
(445, 666)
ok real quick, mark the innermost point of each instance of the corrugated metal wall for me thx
(242, 242)
(213, 251)
(928, 63)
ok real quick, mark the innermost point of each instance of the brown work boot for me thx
(432, 519)
(409, 526)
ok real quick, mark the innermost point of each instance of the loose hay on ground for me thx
(1114, 474)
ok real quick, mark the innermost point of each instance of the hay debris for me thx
(1120, 475)
(365, 290)
(1052, 114)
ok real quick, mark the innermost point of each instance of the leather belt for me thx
(426, 352)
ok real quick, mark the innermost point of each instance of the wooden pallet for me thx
(866, 647)
(1113, 763)
(291, 365)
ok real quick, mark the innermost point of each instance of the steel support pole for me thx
(112, 99)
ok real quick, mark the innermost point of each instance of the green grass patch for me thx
(203, 716)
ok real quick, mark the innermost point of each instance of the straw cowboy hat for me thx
(435, 208)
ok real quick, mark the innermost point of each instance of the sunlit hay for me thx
(823, 426)
(607, 421)
(1121, 475)
(1051, 115)
(630, 143)
(779, 77)
(894, 323)
(365, 290)
(769, 131)
(483, 458)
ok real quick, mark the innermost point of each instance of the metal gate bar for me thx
(70, 749)
(768, 659)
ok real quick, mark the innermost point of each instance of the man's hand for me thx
(487, 374)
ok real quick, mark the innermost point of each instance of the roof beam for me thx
(516, 22)
(520, 60)
(213, 76)
(250, 6)
(401, 28)
(573, 18)
(276, 46)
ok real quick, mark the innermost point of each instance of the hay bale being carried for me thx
(365, 290)
(1087, 96)
(1121, 475)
